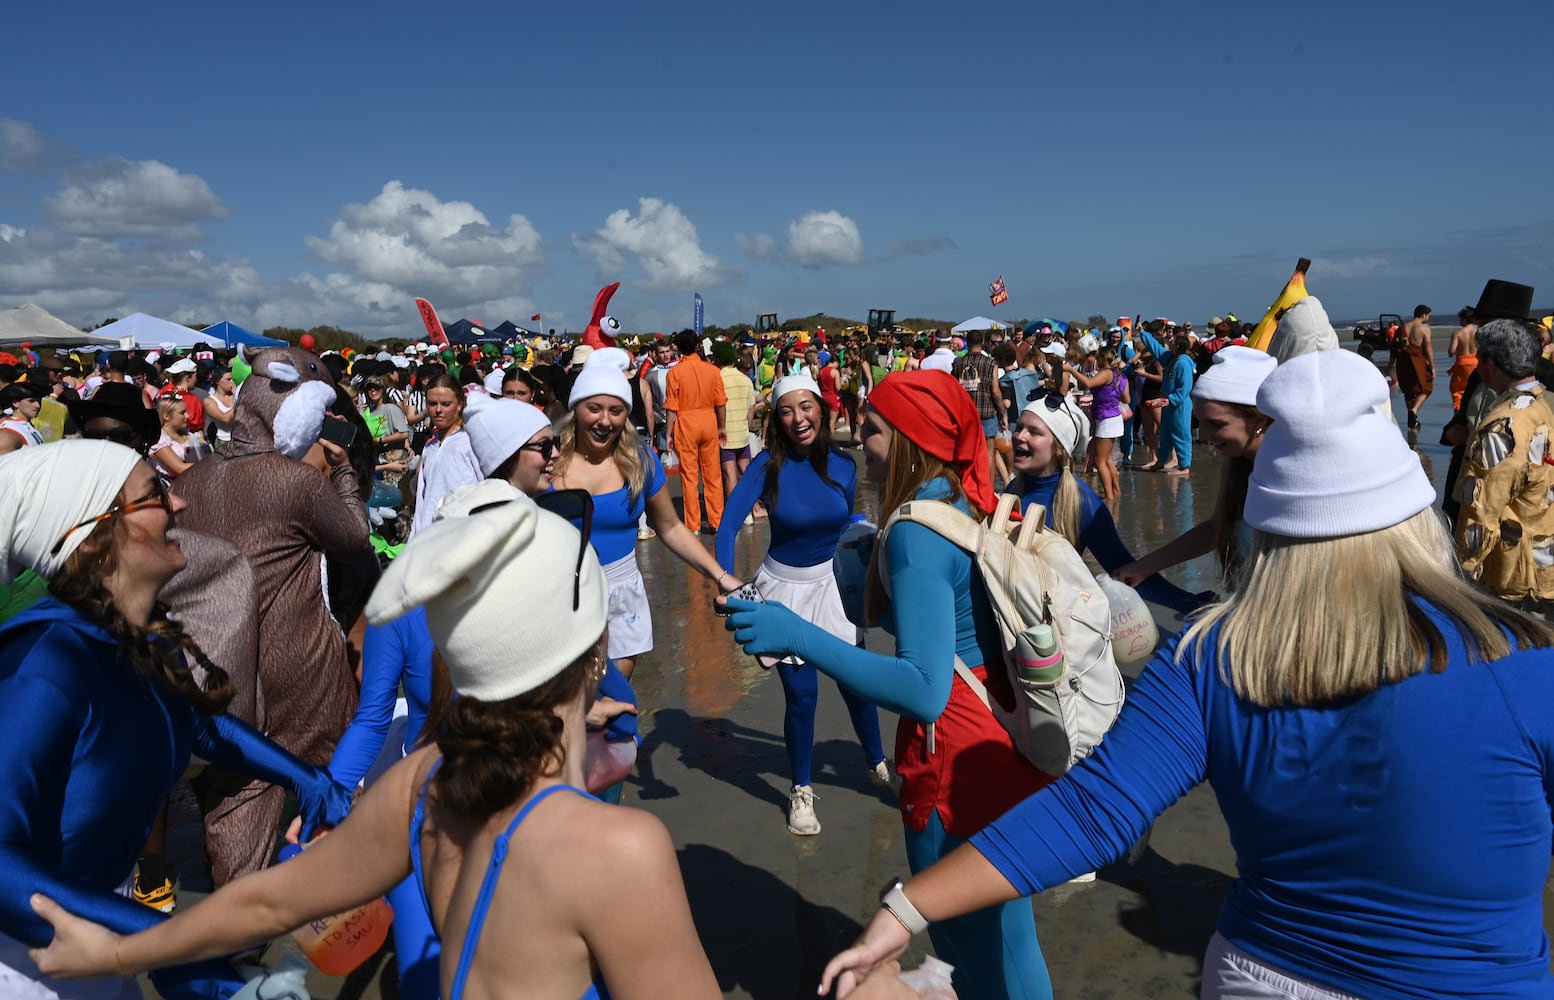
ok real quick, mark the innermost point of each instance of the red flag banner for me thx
(535, 318)
(434, 329)
(997, 292)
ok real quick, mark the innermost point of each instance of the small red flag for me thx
(535, 318)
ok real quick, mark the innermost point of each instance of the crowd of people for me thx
(284, 575)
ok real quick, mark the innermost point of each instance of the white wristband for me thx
(901, 908)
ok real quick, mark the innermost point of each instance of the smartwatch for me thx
(894, 899)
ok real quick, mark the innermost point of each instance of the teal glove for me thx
(768, 629)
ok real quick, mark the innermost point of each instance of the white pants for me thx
(631, 620)
(1231, 974)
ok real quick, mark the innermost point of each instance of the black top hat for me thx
(118, 401)
(1503, 300)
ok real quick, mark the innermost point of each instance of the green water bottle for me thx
(1037, 656)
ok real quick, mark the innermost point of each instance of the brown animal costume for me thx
(283, 515)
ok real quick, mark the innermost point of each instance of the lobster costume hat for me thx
(937, 415)
(602, 330)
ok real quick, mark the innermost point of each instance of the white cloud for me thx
(119, 198)
(663, 243)
(21, 147)
(757, 246)
(823, 239)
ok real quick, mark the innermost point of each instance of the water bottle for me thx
(931, 980)
(607, 761)
(1133, 628)
(1037, 656)
(338, 945)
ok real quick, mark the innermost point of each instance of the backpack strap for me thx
(960, 530)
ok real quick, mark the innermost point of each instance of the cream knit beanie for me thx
(1235, 376)
(497, 428)
(1332, 462)
(494, 573)
(601, 376)
(45, 490)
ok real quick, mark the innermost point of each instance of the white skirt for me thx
(809, 592)
(631, 620)
(1231, 974)
(1109, 427)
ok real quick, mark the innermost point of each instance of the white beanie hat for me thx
(794, 383)
(48, 489)
(1067, 422)
(616, 357)
(497, 428)
(1235, 376)
(493, 382)
(491, 555)
(1303, 328)
(603, 378)
(1332, 463)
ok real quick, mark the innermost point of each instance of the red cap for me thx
(937, 415)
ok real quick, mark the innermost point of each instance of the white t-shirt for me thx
(941, 360)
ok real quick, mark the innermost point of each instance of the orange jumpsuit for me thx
(693, 391)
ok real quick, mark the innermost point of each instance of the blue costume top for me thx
(477, 917)
(808, 517)
(1394, 846)
(399, 651)
(1098, 533)
(1176, 386)
(927, 571)
(616, 513)
(91, 750)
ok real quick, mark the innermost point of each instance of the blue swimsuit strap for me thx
(477, 916)
(416, 823)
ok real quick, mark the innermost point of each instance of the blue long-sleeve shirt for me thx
(1098, 533)
(1395, 846)
(809, 516)
(400, 650)
(936, 614)
(88, 753)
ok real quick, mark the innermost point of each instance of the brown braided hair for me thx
(151, 651)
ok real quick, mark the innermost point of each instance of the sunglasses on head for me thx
(576, 506)
(158, 497)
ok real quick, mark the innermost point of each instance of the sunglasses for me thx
(158, 497)
(576, 506)
(545, 449)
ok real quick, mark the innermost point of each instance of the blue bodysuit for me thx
(90, 752)
(1098, 533)
(1392, 847)
(477, 917)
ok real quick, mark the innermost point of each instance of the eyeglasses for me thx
(158, 497)
(545, 449)
(576, 506)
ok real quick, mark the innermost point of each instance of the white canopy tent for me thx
(980, 323)
(41, 328)
(150, 332)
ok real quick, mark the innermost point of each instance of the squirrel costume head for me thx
(282, 402)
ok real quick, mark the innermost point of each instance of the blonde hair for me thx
(910, 469)
(167, 404)
(1318, 621)
(627, 453)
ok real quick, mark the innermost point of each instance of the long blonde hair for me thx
(1319, 621)
(1066, 502)
(627, 453)
(910, 469)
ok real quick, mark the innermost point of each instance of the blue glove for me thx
(322, 801)
(768, 629)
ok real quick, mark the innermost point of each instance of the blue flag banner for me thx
(698, 314)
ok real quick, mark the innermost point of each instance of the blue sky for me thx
(299, 164)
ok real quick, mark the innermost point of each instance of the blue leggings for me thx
(1176, 434)
(994, 951)
(801, 688)
(415, 942)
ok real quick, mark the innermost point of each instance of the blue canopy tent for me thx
(465, 333)
(508, 330)
(232, 335)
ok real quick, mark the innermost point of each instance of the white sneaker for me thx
(749, 520)
(643, 534)
(1079, 879)
(880, 774)
(801, 812)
